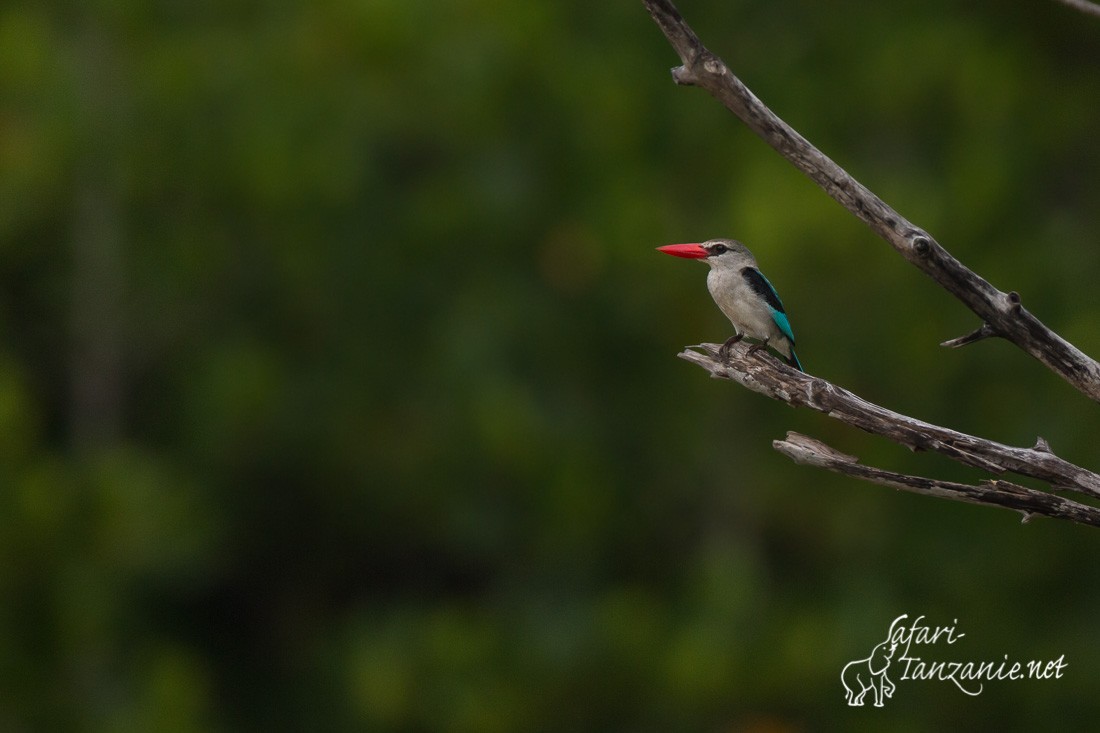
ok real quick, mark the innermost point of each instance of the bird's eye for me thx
(719, 249)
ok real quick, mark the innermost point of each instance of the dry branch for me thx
(1001, 313)
(810, 452)
(770, 377)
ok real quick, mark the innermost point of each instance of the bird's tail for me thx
(795, 362)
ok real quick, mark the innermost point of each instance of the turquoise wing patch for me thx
(784, 324)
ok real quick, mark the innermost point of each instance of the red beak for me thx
(690, 251)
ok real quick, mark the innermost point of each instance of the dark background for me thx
(338, 386)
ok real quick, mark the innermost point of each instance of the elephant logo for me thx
(869, 675)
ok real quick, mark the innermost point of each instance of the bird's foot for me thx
(757, 347)
(724, 350)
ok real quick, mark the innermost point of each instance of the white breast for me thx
(745, 309)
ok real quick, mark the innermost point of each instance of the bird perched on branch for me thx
(743, 294)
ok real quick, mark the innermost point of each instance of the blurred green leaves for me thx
(403, 443)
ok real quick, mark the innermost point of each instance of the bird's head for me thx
(718, 253)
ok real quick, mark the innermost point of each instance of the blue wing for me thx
(764, 289)
(784, 325)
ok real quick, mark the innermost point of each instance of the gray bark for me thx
(767, 375)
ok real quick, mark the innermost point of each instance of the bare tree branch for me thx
(1084, 6)
(1001, 313)
(810, 452)
(770, 377)
(983, 331)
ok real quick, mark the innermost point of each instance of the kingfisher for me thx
(744, 295)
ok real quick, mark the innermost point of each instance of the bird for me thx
(744, 295)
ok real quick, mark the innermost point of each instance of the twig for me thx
(1001, 312)
(811, 452)
(770, 377)
(984, 331)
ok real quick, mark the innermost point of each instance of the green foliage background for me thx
(338, 386)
